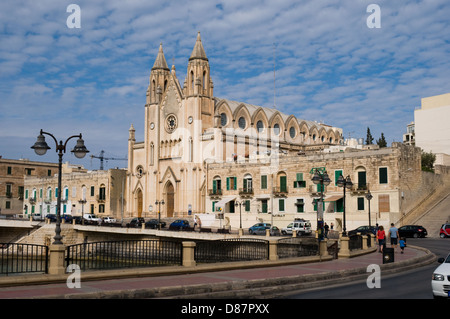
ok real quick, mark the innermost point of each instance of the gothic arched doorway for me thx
(170, 196)
(139, 202)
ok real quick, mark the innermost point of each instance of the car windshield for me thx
(447, 260)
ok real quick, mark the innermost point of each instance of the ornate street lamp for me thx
(369, 197)
(322, 179)
(236, 204)
(159, 203)
(40, 148)
(344, 183)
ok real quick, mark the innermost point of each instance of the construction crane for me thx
(102, 158)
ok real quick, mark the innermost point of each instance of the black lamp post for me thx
(369, 197)
(40, 148)
(159, 203)
(322, 179)
(344, 183)
(236, 203)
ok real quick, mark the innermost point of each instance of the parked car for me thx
(364, 230)
(51, 217)
(136, 222)
(153, 223)
(444, 231)
(90, 219)
(300, 226)
(258, 228)
(440, 280)
(412, 231)
(78, 219)
(274, 231)
(109, 220)
(179, 224)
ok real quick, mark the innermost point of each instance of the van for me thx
(299, 225)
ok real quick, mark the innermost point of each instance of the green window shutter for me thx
(247, 205)
(213, 206)
(283, 187)
(383, 175)
(360, 203)
(300, 206)
(56, 192)
(214, 188)
(281, 205)
(264, 206)
(228, 183)
(263, 181)
(336, 176)
(26, 194)
(235, 183)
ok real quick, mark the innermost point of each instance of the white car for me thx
(109, 220)
(440, 282)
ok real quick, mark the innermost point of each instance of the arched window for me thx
(276, 129)
(242, 123)
(223, 119)
(260, 126)
(292, 132)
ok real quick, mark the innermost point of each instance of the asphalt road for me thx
(413, 284)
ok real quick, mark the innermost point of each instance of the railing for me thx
(231, 250)
(23, 258)
(297, 247)
(124, 254)
(355, 242)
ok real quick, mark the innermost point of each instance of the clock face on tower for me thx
(171, 123)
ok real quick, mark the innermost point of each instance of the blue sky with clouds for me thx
(330, 66)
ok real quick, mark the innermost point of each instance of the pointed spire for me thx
(198, 52)
(160, 62)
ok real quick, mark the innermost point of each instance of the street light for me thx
(344, 183)
(40, 148)
(323, 179)
(159, 203)
(369, 197)
(236, 203)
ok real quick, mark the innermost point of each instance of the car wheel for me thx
(416, 235)
(442, 235)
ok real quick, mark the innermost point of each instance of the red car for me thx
(445, 231)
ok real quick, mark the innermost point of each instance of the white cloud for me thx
(329, 65)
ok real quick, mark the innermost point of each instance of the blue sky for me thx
(330, 66)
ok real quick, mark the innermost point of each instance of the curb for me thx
(251, 289)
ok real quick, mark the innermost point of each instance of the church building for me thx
(187, 128)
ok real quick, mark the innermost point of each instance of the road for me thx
(413, 284)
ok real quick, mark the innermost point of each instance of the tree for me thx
(369, 138)
(428, 160)
(381, 142)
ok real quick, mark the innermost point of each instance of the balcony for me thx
(100, 199)
(246, 191)
(360, 188)
(280, 191)
(215, 192)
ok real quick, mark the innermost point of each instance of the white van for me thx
(300, 225)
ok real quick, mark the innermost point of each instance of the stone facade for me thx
(186, 125)
(96, 192)
(281, 187)
(12, 174)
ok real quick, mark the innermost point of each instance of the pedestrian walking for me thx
(402, 244)
(393, 234)
(381, 238)
(326, 227)
(195, 221)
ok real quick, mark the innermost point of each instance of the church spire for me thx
(160, 62)
(198, 52)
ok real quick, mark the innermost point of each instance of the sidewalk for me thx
(265, 282)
